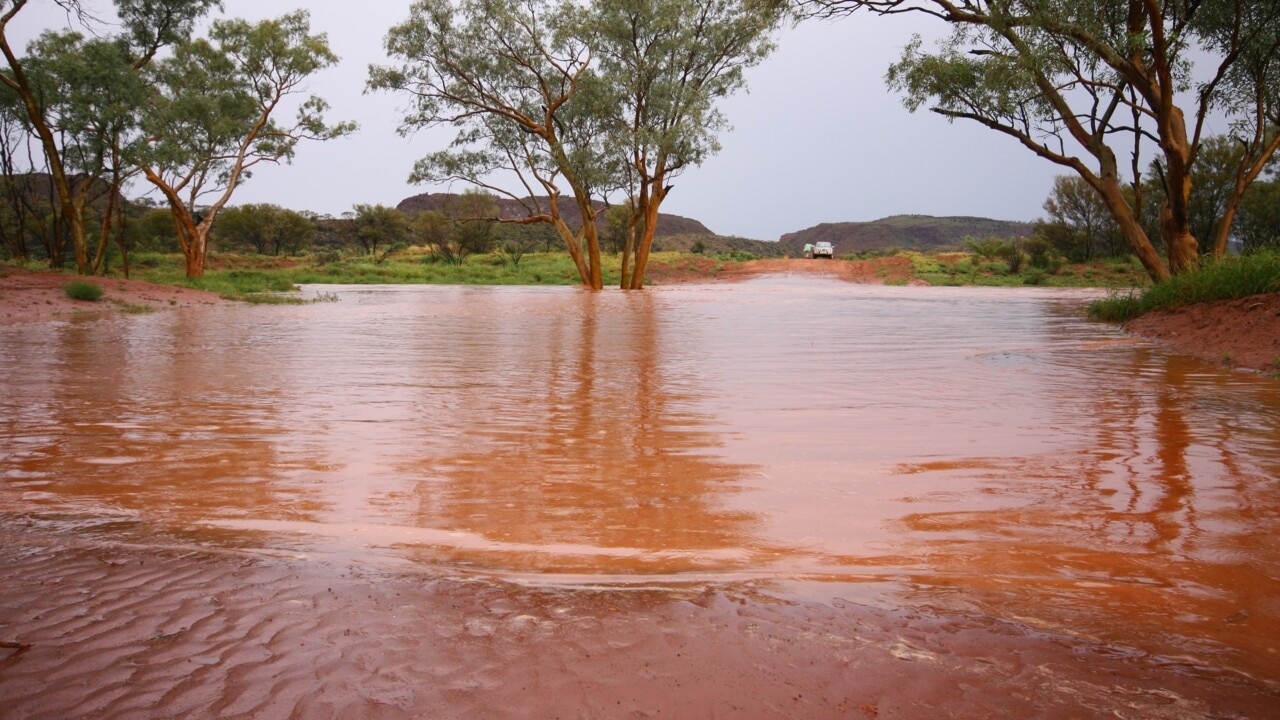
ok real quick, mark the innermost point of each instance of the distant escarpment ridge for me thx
(509, 209)
(908, 232)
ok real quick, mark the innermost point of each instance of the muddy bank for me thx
(39, 296)
(127, 633)
(1240, 333)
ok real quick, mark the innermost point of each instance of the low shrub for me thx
(82, 290)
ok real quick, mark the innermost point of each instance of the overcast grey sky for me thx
(817, 137)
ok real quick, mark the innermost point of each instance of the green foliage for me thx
(218, 94)
(263, 229)
(378, 227)
(1035, 276)
(1223, 279)
(1041, 71)
(991, 248)
(579, 99)
(474, 226)
(82, 290)
(153, 232)
(1258, 225)
(922, 264)
(535, 269)
(516, 241)
(1118, 306)
(1043, 255)
(1080, 225)
(1015, 257)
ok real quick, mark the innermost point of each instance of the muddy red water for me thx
(782, 498)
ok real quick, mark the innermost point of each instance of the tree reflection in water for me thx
(580, 451)
(1149, 541)
(147, 429)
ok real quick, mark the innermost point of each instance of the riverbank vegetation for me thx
(1229, 278)
(239, 275)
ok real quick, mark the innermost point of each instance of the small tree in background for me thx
(379, 228)
(515, 241)
(991, 248)
(264, 228)
(473, 216)
(1258, 225)
(1085, 227)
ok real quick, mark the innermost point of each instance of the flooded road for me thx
(955, 454)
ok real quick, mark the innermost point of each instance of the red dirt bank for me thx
(38, 296)
(1241, 333)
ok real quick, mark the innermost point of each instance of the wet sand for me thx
(39, 297)
(119, 632)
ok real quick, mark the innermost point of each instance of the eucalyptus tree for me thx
(664, 64)
(379, 227)
(592, 98)
(89, 92)
(1219, 180)
(213, 117)
(510, 75)
(1081, 84)
(76, 88)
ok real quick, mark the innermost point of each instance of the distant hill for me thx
(910, 232)
(667, 224)
(714, 244)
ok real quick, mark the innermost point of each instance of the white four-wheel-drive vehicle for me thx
(823, 249)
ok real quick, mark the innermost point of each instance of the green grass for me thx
(239, 283)
(1224, 279)
(82, 290)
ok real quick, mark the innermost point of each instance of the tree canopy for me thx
(1091, 85)
(80, 97)
(214, 116)
(588, 100)
(194, 115)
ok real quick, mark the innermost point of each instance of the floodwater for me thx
(953, 452)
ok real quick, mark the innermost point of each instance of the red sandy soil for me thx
(39, 296)
(1241, 333)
